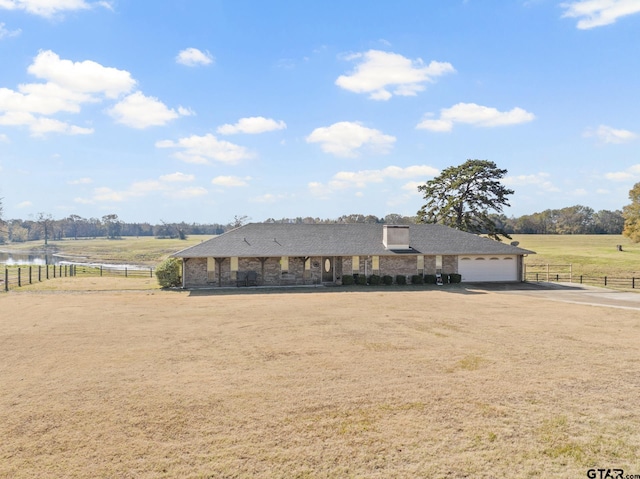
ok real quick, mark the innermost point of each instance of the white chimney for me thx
(395, 237)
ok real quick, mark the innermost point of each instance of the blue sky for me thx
(201, 110)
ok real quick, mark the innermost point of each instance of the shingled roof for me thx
(353, 239)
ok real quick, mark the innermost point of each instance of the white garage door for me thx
(488, 268)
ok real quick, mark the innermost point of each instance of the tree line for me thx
(576, 219)
(45, 227)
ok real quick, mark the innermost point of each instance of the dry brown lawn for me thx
(153, 384)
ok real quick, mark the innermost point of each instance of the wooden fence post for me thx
(30, 275)
(547, 272)
(571, 273)
(6, 279)
(19, 279)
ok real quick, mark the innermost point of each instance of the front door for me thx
(327, 270)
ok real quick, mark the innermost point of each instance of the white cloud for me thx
(49, 125)
(67, 87)
(49, 8)
(192, 57)
(384, 74)
(231, 181)
(476, 115)
(4, 33)
(165, 185)
(4, 138)
(24, 204)
(39, 125)
(412, 186)
(607, 134)
(252, 125)
(346, 139)
(597, 13)
(538, 180)
(182, 111)
(81, 77)
(360, 179)
(177, 177)
(140, 111)
(42, 98)
(631, 173)
(202, 149)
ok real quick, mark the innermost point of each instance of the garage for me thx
(488, 268)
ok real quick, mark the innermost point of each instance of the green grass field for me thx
(592, 255)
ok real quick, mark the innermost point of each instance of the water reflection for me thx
(35, 259)
(42, 259)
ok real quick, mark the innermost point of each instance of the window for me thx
(375, 263)
(284, 264)
(211, 269)
(355, 265)
(420, 262)
(234, 263)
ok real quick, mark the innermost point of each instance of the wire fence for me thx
(18, 276)
(564, 273)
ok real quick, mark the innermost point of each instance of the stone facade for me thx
(203, 272)
(197, 272)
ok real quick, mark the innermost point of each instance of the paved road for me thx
(569, 293)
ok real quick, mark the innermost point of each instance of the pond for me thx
(42, 259)
(35, 259)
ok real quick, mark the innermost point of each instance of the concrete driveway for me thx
(567, 293)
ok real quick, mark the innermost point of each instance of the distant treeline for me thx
(571, 220)
(76, 227)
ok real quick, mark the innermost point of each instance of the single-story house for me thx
(287, 254)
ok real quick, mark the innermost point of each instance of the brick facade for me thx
(270, 271)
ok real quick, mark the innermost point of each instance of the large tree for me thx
(464, 197)
(631, 214)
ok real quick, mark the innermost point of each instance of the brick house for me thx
(287, 254)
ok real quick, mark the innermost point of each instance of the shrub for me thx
(455, 278)
(374, 280)
(388, 280)
(169, 273)
(347, 280)
(361, 279)
(401, 279)
(430, 278)
(417, 279)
